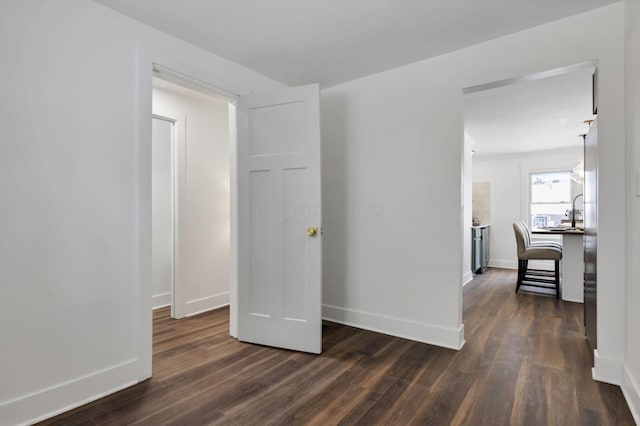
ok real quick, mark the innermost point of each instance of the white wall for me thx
(393, 144)
(203, 280)
(75, 183)
(631, 381)
(506, 174)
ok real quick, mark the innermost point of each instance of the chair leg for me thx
(521, 272)
(557, 279)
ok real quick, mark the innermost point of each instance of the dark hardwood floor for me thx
(525, 362)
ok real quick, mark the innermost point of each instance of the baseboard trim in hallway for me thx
(451, 338)
(607, 370)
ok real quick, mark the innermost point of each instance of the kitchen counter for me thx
(572, 265)
(558, 231)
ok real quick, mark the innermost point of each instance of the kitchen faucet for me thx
(573, 211)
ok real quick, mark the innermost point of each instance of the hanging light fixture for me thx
(577, 173)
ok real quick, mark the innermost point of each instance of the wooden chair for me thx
(535, 251)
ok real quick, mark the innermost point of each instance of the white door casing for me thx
(178, 213)
(279, 199)
(162, 210)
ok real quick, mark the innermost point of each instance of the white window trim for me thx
(526, 169)
(530, 201)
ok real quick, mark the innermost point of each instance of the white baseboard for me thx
(631, 392)
(513, 264)
(504, 264)
(161, 300)
(607, 370)
(451, 338)
(47, 403)
(209, 303)
(566, 299)
(466, 279)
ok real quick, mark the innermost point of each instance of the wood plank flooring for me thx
(526, 362)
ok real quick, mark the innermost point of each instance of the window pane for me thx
(550, 187)
(548, 214)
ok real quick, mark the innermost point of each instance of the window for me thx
(550, 198)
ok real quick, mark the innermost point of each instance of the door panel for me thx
(278, 129)
(279, 265)
(591, 233)
(260, 243)
(295, 244)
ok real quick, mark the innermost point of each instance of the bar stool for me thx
(530, 242)
(530, 251)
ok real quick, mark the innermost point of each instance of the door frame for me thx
(532, 76)
(173, 149)
(152, 63)
(178, 300)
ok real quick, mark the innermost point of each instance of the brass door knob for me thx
(312, 231)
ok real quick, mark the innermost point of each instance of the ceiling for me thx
(525, 116)
(333, 41)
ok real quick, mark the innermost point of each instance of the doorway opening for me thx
(272, 205)
(191, 248)
(247, 209)
(163, 211)
(521, 154)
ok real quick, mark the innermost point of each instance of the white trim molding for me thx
(513, 264)
(452, 338)
(161, 300)
(607, 370)
(47, 403)
(466, 279)
(209, 303)
(631, 392)
(503, 264)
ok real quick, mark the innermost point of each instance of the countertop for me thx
(558, 230)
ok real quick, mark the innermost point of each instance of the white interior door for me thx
(279, 206)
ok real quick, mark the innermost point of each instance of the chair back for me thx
(527, 233)
(521, 239)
